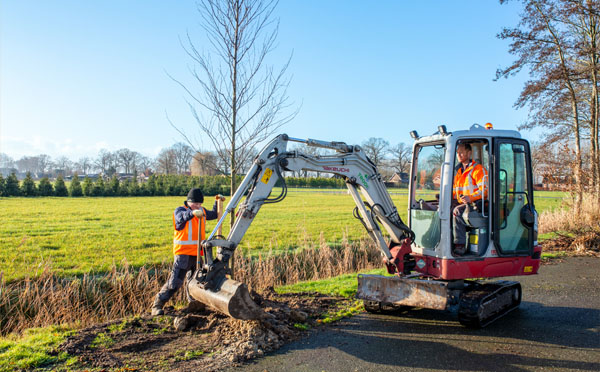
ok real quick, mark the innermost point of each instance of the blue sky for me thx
(79, 76)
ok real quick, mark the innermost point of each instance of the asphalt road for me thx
(557, 328)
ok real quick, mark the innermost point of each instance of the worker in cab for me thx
(468, 193)
(188, 226)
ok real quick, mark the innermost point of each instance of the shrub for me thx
(2, 185)
(134, 189)
(98, 188)
(28, 186)
(112, 187)
(11, 186)
(75, 187)
(87, 186)
(124, 188)
(45, 188)
(60, 189)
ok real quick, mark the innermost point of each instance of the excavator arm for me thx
(374, 207)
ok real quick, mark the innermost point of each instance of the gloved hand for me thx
(198, 212)
(220, 197)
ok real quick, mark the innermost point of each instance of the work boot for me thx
(459, 249)
(157, 308)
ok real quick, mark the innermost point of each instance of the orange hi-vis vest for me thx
(185, 241)
(471, 182)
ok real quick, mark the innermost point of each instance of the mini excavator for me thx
(501, 241)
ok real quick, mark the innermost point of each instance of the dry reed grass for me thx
(577, 231)
(569, 219)
(126, 291)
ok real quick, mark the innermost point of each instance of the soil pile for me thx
(197, 338)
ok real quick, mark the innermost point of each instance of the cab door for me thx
(514, 211)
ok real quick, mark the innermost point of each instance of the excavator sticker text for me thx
(267, 176)
(363, 180)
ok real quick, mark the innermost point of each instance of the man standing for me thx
(469, 187)
(187, 221)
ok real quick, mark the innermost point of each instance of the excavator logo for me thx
(336, 169)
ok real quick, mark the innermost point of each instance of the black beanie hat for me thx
(195, 196)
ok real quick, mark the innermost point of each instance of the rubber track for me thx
(488, 302)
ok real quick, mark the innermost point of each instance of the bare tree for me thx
(126, 159)
(83, 165)
(105, 161)
(583, 21)
(64, 164)
(544, 46)
(376, 149)
(26, 164)
(6, 161)
(34, 164)
(183, 157)
(165, 162)
(204, 164)
(241, 100)
(144, 165)
(400, 157)
(44, 162)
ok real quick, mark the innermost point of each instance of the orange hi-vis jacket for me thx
(185, 241)
(471, 182)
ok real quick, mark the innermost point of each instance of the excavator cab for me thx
(500, 226)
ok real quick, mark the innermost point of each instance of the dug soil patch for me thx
(198, 339)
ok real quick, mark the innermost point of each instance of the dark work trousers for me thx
(459, 226)
(183, 265)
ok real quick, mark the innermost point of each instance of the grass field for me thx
(77, 235)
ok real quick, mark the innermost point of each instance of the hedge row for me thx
(156, 185)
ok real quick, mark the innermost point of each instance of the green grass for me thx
(34, 349)
(184, 355)
(343, 285)
(549, 255)
(102, 340)
(78, 235)
(343, 311)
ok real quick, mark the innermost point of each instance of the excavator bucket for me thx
(230, 298)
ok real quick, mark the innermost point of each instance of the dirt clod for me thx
(298, 316)
(197, 338)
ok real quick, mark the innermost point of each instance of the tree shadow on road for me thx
(562, 326)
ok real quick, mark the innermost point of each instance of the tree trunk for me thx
(594, 117)
(578, 160)
(594, 158)
(234, 112)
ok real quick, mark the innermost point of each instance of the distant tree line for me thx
(176, 159)
(156, 185)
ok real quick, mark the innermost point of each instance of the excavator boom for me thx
(373, 205)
